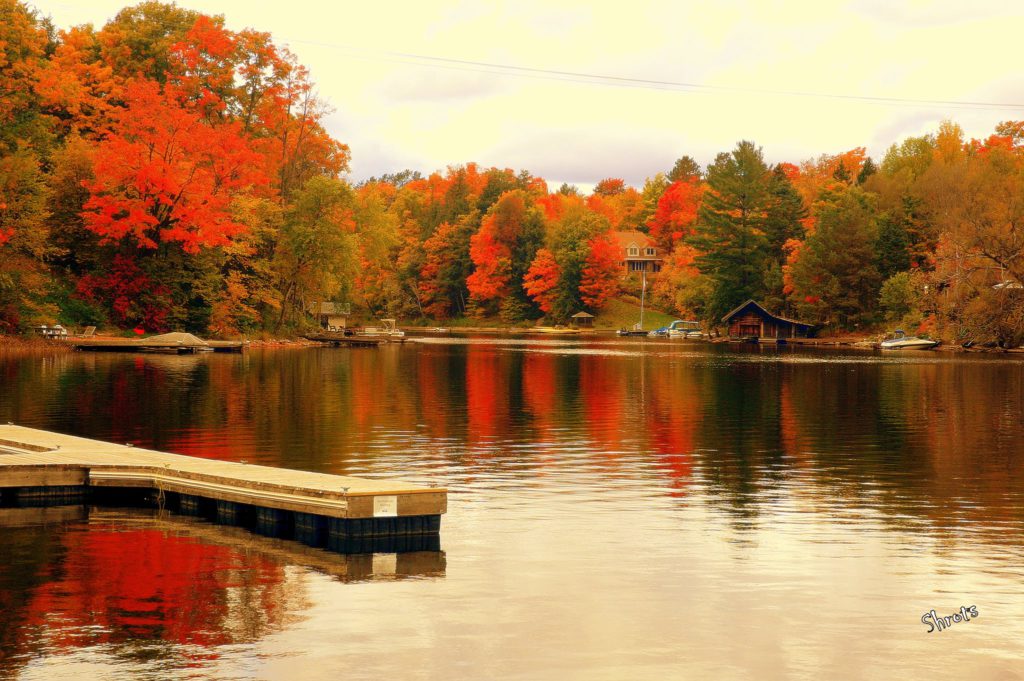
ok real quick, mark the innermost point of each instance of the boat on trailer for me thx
(901, 341)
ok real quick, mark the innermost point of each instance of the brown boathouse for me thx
(750, 320)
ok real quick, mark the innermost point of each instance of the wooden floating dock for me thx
(174, 343)
(41, 468)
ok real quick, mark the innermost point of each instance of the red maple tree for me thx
(541, 280)
(167, 175)
(600, 280)
(676, 213)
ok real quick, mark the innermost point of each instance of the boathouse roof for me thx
(760, 308)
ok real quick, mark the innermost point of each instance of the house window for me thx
(649, 251)
(633, 251)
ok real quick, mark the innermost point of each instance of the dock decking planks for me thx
(147, 345)
(33, 459)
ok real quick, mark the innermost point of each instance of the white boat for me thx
(901, 341)
(387, 330)
(684, 329)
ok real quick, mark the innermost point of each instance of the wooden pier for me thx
(174, 343)
(41, 468)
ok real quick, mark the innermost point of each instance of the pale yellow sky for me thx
(397, 110)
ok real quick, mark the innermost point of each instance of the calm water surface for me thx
(617, 510)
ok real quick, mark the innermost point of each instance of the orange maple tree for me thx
(166, 175)
(541, 280)
(676, 212)
(600, 276)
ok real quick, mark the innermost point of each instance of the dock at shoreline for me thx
(42, 468)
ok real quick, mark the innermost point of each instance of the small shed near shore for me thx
(584, 319)
(330, 316)
(751, 320)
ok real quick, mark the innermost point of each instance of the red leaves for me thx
(166, 175)
(493, 263)
(676, 212)
(600, 281)
(541, 279)
(491, 248)
(135, 299)
(610, 187)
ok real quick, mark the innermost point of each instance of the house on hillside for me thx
(638, 252)
(751, 320)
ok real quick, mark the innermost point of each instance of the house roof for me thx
(583, 315)
(760, 307)
(633, 237)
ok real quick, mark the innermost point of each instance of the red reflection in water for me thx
(486, 395)
(672, 411)
(540, 394)
(147, 584)
(430, 383)
(603, 390)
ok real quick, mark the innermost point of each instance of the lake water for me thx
(617, 510)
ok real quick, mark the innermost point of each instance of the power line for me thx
(496, 68)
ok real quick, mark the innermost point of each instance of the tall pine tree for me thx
(730, 232)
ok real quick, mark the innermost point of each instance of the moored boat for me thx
(684, 329)
(901, 341)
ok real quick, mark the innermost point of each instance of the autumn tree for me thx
(23, 241)
(680, 286)
(447, 266)
(676, 212)
(541, 280)
(570, 242)
(165, 175)
(137, 42)
(316, 255)
(609, 186)
(23, 45)
(503, 249)
(599, 280)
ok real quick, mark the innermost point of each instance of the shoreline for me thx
(30, 344)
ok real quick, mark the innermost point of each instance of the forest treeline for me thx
(164, 172)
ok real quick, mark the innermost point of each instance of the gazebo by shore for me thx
(583, 319)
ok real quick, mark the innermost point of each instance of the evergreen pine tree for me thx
(867, 170)
(892, 253)
(785, 212)
(730, 228)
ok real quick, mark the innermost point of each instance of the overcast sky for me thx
(398, 104)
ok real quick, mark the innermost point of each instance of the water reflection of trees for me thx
(84, 585)
(892, 434)
(150, 586)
